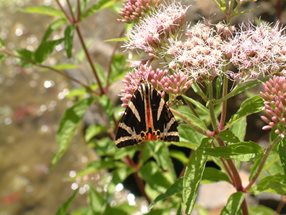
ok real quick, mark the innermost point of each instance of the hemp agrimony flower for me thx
(200, 55)
(133, 10)
(149, 33)
(257, 51)
(274, 95)
(133, 79)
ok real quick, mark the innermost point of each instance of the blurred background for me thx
(32, 102)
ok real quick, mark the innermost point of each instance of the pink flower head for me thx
(133, 10)
(148, 34)
(274, 95)
(257, 51)
(133, 79)
(200, 54)
(176, 83)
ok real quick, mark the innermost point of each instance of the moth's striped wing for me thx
(163, 119)
(146, 118)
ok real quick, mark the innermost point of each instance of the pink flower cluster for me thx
(149, 33)
(200, 55)
(133, 10)
(175, 83)
(274, 95)
(257, 51)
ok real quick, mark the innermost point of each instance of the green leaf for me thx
(260, 210)
(65, 66)
(27, 56)
(282, 153)
(187, 134)
(123, 209)
(239, 128)
(273, 183)
(96, 201)
(243, 151)
(180, 156)
(228, 136)
(249, 106)
(94, 130)
(68, 39)
(188, 114)
(99, 5)
(193, 176)
(2, 57)
(68, 125)
(240, 89)
(213, 175)
(200, 108)
(52, 27)
(44, 10)
(46, 48)
(175, 188)
(233, 204)
(2, 43)
(63, 210)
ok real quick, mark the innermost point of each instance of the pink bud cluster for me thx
(201, 53)
(274, 95)
(257, 51)
(133, 79)
(133, 10)
(149, 33)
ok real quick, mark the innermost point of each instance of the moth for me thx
(146, 118)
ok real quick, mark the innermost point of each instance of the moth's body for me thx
(146, 118)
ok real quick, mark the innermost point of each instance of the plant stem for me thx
(86, 52)
(261, 164)
(211, 107)
(71, 11)
(224, 104)
(138, 180)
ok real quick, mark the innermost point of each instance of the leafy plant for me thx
(198, 70)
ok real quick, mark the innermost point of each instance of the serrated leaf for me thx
(214, 175)
(249, 106)
(273, 183)
(243, 151)
(46, 48)
(233, 205)
(193, 176)
(282, 153)
(175, 188)
(63, 210)
(44, 10)
(68, 39)
(239, 128)
(68, 125)
(228, 136)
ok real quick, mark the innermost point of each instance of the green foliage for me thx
(151, 164)
(233, 205)
(68, 125)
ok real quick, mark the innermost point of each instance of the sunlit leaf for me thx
(187, 134)
(239, 128)
(200, 108)
(193, 176)
(44, 10)
(63, 210)
(233, 205)
(260, 210)
(243, 151)
(65, 66)
(249, 106)
(68, 39)
(272, 183)
(228, 136)
(68, 125)
(96, 201)
(99, 5)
